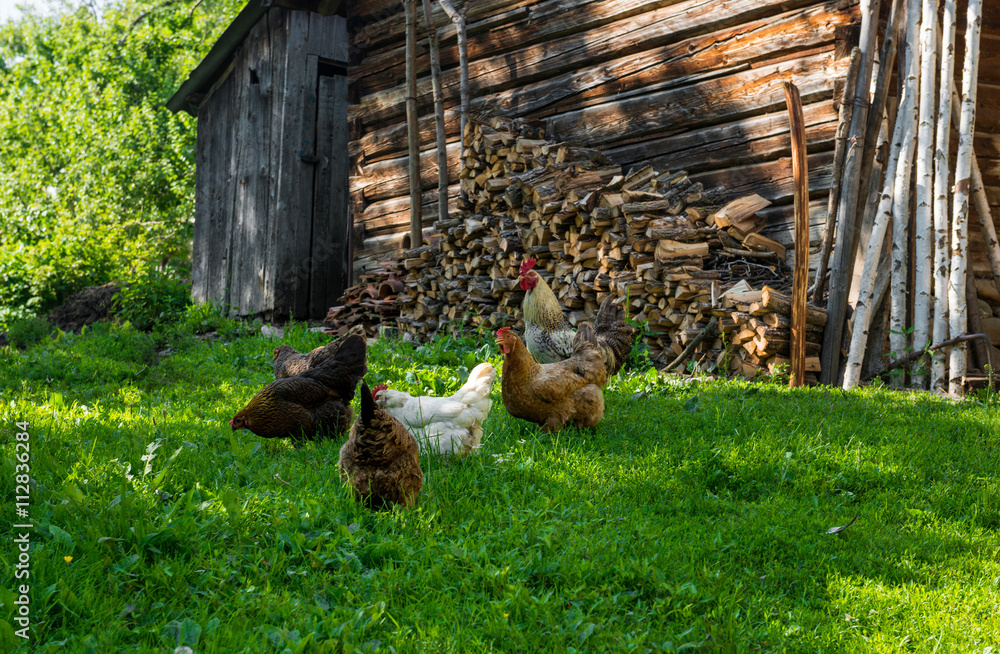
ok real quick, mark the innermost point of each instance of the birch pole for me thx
(843, 255)
(442, 143)
(923, 223)
(463, 65)
(412, 124)
(902, 134)
(907, 115)
(942, 251)
(960, 202)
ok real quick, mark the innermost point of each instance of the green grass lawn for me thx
(693, 518)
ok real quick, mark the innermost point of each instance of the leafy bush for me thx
(27, 331)
(151, 299)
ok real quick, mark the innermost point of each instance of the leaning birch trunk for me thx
(942, 251)
(960, 207)
(412, 124)
(463, 65)
(907, 115)
(923, 223)
(442, 144)
(842, 267)
(902, 134)
(840, 149)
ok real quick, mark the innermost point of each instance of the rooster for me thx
(380, 459)
(310, 405)
(445, 425)
(553, 395)
(288, 362)
(549, 337)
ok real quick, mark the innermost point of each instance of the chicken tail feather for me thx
(367, 405)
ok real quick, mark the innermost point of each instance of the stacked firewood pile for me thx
(372, 302)
(656, 240)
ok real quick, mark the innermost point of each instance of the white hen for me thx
(445, 425)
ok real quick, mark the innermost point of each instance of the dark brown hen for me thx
(289, 362)
(313, 404)
(380, 458)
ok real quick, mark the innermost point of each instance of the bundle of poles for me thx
(874, 231)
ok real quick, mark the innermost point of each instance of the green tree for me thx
(96, 176)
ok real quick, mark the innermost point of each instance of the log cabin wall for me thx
(987, 147)
(682, 85)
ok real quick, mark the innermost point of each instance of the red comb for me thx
(528, 264)
(378, 389)
(502, 331)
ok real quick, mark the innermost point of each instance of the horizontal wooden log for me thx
(741, 94)
(744, 140)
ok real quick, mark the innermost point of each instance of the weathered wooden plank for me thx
(204, 177)
(221, 196)
(388, 179)
(742, 141)
(772, 180)
(740, 94)
(385, 32)
(781, 225)
(251, 211)
(502, 71)
(328, 37)
(393, 214)
(278, 37)
(328, 258)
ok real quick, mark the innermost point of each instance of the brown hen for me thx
(289, 362)
(553, 395)
(380, 458)
(313, 404)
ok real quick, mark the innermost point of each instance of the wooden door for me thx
(329, 255)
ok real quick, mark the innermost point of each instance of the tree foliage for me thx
(96, 175)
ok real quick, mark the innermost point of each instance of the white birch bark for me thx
(942, 249)
(960, 204)
(902, 133)
(923, 223)
(907, 115)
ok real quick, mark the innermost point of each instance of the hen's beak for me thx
(232, 423)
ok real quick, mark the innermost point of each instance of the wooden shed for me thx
(271, 220)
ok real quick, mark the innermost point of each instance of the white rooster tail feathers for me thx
(480, 381)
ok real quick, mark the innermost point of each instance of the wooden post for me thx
(800, 275)
(923, 223)
(442, 144)
(412, 124)
(840, 150)
(960, 207)
(843, 255)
